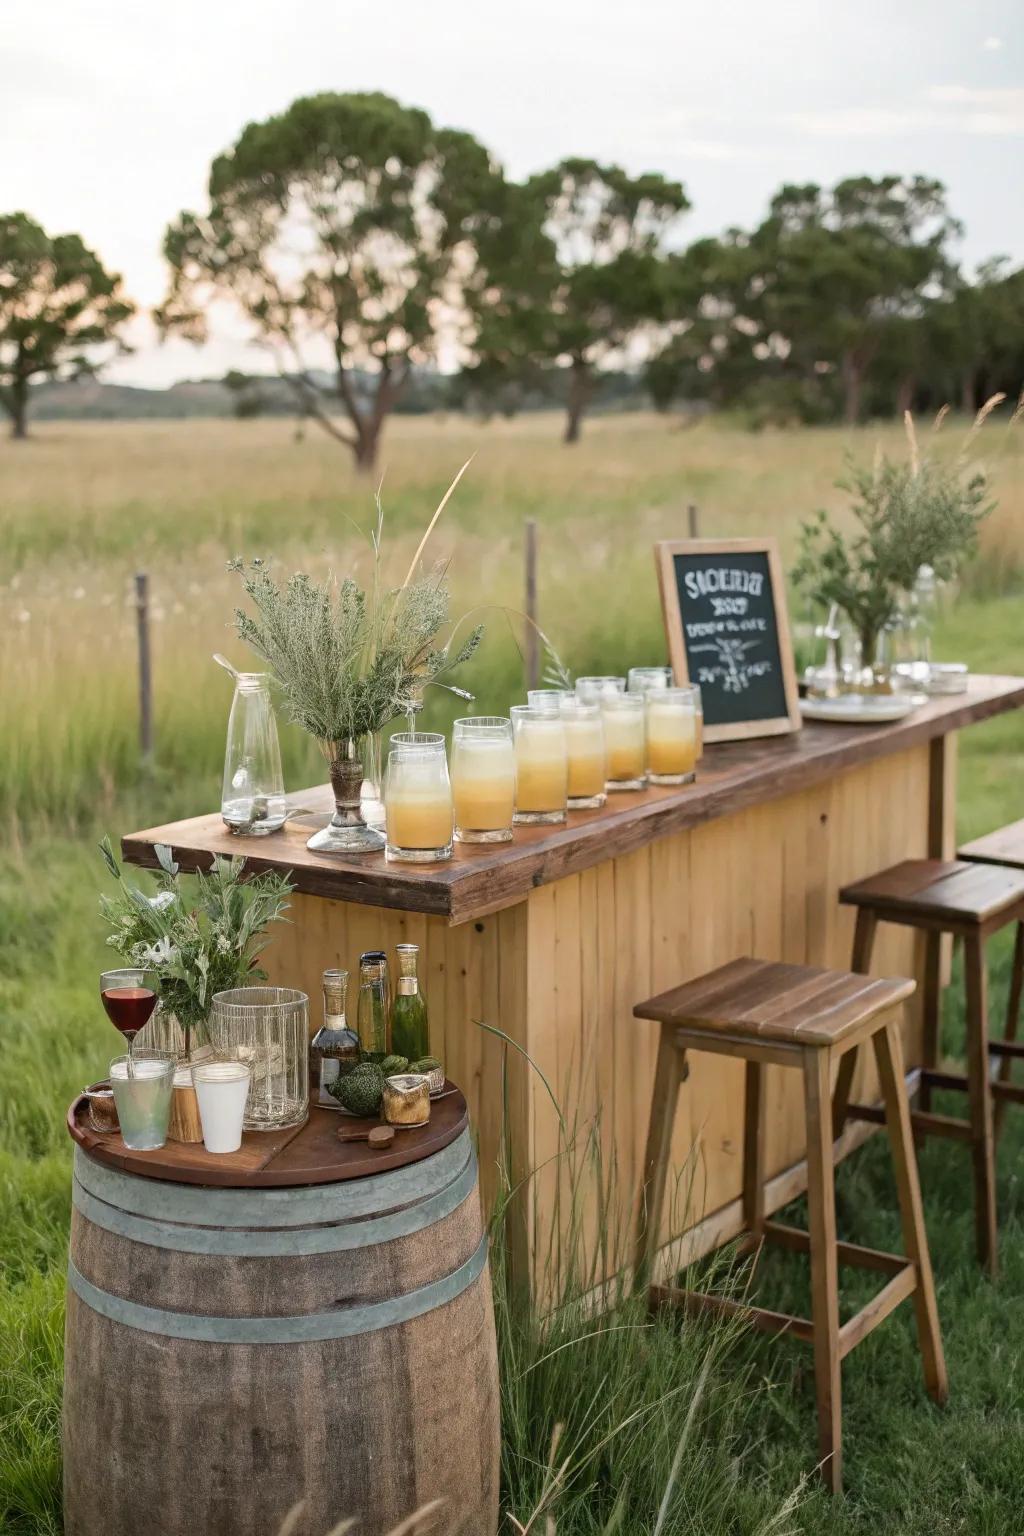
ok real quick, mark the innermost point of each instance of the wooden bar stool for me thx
(971, 902)
(1005, 848)
(794, 1016)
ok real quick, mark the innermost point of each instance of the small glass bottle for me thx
(409, 1033)
(334, 1048)
(374, 1007)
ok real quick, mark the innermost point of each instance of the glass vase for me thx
(347, 833)
(165, 1032)
(268, 1029)
(371, 795)
(252, 798)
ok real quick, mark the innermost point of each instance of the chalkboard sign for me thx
(724, 603)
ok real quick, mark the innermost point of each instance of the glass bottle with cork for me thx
(334, 1048)
(409, 1032)
(373, 1012)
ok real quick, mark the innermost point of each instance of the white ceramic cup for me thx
(222, 1088)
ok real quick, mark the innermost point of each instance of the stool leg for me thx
(753, 1150)
(889, 1057)
(980, 1098)
(860, 961)
(1012, 1022)
(821, 1201)
(931, 1011)
(668, 1076)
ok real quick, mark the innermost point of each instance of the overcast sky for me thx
(110, 112)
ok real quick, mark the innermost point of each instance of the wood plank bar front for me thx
(553, 939)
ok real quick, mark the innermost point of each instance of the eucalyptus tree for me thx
(831, 270)
(576, 271)
(61, 311)
(343, 228)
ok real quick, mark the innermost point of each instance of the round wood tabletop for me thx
(307, 1154)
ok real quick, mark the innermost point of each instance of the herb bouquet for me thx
(350, 661)
(921, 512)
(198, 947)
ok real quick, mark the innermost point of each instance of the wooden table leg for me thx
(668, 1077)
(889, 1058)
(821, 1201)
(1005, 1069)
(980, 1097)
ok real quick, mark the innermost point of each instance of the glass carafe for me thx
(252, 799)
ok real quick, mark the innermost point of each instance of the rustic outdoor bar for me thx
(552, 939)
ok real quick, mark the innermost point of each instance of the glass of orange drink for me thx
(483, 779)
(672, 734)
(542, 771)
(623, 718)
(418, 799)
(585, 755)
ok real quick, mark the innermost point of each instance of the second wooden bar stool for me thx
(971, 902)
(794, 1016)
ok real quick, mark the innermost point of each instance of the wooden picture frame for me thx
(787, 716)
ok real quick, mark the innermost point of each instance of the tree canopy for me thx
(60, 311)
(576, 272)
(348, 221)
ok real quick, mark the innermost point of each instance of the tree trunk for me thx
(366, 445)
(905, 396)
(969, 391)
(852, 370)
(579, 394)
(15, 402)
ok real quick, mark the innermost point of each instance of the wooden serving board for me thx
(306, 1154)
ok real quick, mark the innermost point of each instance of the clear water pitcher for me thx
(252, 799)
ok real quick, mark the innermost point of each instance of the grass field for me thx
(82, 508)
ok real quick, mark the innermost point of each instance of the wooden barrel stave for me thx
(168, 1435)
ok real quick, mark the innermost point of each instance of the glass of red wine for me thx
(129, 996)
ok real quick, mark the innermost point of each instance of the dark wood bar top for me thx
(484, 878)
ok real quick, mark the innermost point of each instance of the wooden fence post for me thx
(145, 665)
(532, 647)
(694, 521)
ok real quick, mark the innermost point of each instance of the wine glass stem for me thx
(131, 1055)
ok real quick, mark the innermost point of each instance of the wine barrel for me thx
(232, 1353)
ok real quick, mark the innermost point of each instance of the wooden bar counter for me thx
(552, 938)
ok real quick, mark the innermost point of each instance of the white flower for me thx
(162, 900)
(162, 952)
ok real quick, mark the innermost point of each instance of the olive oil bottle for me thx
(409, 1033)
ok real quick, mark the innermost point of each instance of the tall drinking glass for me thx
(483, 779)
(222, 1088)
(672, 735)
(142, 1086)
(584, 748)
(591, 688)
(643, 679)
(542, 773)
(623, 718)
(546, 698)
(418, 799)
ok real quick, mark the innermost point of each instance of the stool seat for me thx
(764, 1000)
(943, 890)
(1006, 846)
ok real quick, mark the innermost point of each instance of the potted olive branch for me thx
(922, 512)
(350, 661)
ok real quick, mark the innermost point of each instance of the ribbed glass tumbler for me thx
(267, 1028)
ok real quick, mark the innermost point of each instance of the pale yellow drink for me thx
(542, 775)
(584, 745)
(671, 738)
(483, 784)
(419, 818)
(623, 720)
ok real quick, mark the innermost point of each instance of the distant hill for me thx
(90, 400)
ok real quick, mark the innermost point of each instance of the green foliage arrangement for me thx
(200, 946)
(921, 512)
(349, 661)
